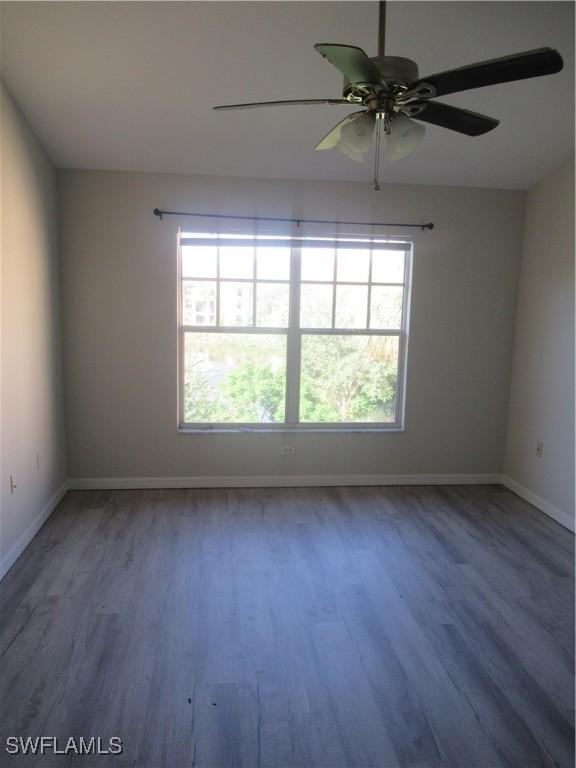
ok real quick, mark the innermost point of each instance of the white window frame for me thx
(294, 333)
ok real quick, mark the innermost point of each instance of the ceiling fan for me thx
(396, 100)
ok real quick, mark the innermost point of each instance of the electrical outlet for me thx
(287, 450)
(539, 449)
(13, 485)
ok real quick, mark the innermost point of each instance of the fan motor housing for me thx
(395, 71)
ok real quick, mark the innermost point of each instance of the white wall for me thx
(542, 389)
(31, 380)
(119, 272)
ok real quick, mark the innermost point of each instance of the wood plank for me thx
(290, 628)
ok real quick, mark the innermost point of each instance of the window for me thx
(295, 333)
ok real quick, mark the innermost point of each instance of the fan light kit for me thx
(394, 97)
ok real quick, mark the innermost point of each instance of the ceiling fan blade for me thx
(404, 137)
(354, 64)
(453, 118)
(285, 103)
(519, 66)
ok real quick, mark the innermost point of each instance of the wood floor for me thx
(275, 628)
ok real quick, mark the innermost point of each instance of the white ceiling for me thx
(130, 85)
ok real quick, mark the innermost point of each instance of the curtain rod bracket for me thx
(159, 213)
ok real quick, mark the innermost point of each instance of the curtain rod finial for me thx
(158, 212)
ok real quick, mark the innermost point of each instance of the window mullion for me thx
(254, 287)
(334, 277)
(369, 302)
(293, 339)
(218, 286)
(180, 348)
(181, 383)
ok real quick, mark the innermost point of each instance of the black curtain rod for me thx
(161, 214)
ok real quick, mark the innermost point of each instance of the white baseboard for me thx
(20, 545)
(277, 481)
(544, 506)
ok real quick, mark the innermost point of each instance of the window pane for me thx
(236, 261)
(386, 307)
(348, 378)
(317, 264)
(352, 266)
(351, 306)
(387, 266)
(273, 263)
(234, 377)
(316, 306)
(199, 261)
(198, 303)
(236, 304)
(272, 305)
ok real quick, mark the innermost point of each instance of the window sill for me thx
(229, 430)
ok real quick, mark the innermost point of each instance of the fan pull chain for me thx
(377, 152)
